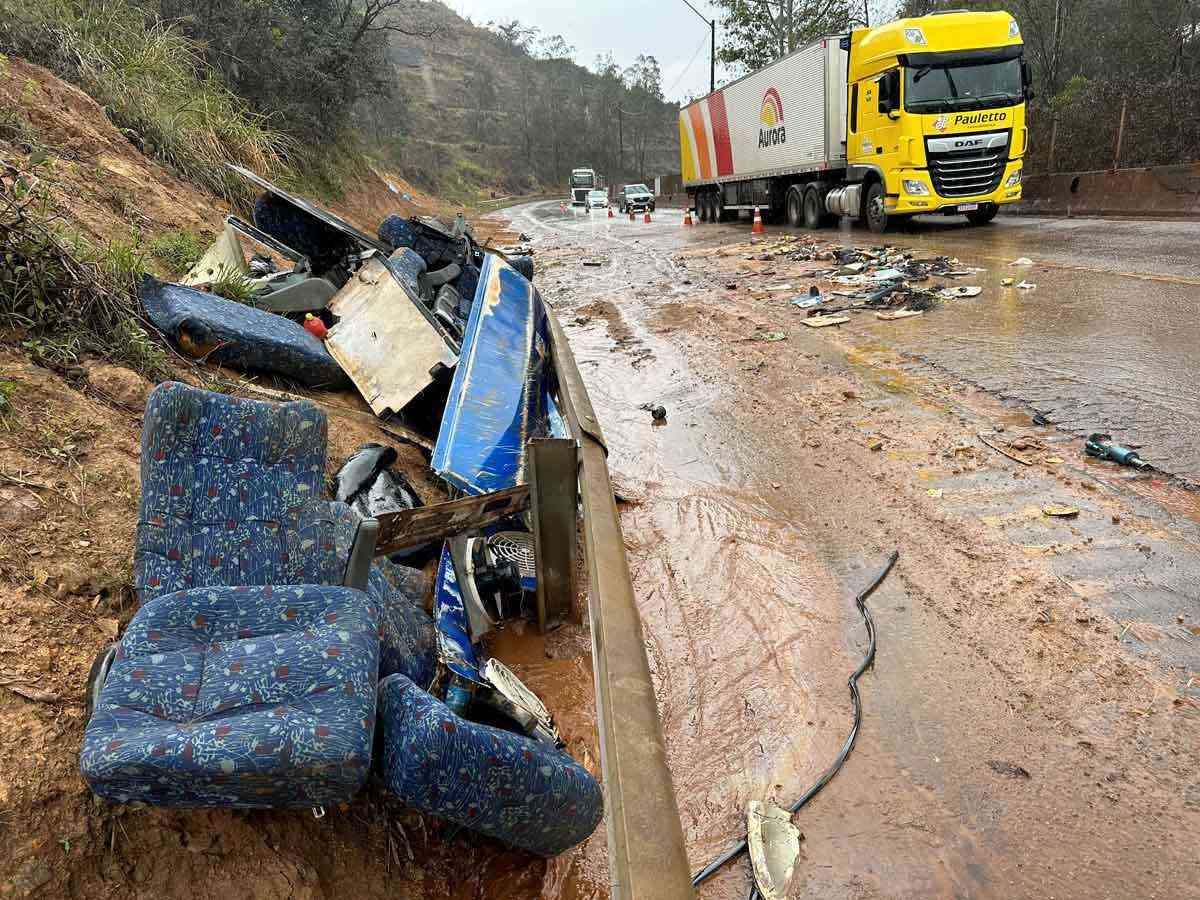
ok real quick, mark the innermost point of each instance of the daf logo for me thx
(967, 144)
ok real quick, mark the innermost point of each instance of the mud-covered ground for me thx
(1031, 722)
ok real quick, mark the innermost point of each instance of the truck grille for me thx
(968, 172)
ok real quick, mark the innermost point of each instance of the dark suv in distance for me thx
(634, 197)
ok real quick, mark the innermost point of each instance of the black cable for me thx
(861, 601)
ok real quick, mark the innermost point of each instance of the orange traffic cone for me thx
(687, 217)
(646, 217)
(610, 212)
(757, 228)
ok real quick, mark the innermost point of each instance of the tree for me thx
(516, 36)
(757, 32)
(306, 62)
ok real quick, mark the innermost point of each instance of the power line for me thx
(686, 68)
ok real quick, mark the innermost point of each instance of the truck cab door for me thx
(878, 139)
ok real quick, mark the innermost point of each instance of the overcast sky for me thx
(664, 29)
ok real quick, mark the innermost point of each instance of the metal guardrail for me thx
(646, 852)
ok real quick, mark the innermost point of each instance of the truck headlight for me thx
(916, 188)
(914, 36)
(1013, 180)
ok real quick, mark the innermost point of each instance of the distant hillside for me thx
(485, 114)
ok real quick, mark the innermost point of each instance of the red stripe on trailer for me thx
(720, 133)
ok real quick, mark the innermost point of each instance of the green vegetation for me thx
(177, 250)
(63, 297)
(153, 84)
(233, 285)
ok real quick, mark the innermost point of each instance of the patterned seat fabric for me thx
(231, 494)
(501, 784)
(408, 640)
(239, 696)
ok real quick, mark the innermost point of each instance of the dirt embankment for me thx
(69, 492)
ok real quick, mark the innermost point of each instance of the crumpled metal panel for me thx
(384, 342)
(450, 616)
(497, 398)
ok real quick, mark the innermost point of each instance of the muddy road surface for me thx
(1031, 722)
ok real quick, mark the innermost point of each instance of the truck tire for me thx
(813, 209)
(795, 205)
(874, 213)
(719, 207)
(702, 207)
(983, 215)
(710, 203)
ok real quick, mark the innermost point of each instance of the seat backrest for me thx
(231, 494)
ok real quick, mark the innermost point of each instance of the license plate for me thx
(968, 207)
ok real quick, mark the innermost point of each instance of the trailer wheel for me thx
(719, 207)
(812, 209)
(874, 212)
(710, 203)
(795, 205)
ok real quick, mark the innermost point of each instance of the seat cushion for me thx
(231, 494)
(239, 696)
(501, 784)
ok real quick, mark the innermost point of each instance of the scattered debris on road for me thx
(1061, 511)
(1102, 446)
(774, 845)
(657, 412)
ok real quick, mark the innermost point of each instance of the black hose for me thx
(868, 659)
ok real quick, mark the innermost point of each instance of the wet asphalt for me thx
(1105, 341)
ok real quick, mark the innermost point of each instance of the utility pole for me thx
(712, 58)
(620, 143)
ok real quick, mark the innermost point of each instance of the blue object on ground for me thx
(247, 678)
(233, 334)
(453, 630)
(496, 397)
(504, 785)
(231, 494)
(257, 696)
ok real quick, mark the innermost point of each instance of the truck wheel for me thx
(874, 212)
(702, 207)
(719, 207)
(812, 209)
(710, 203)
(795, 206)
(983, 215)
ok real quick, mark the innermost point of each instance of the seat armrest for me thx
(362, 551)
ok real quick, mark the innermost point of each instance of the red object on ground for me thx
(610, 212)
(687, 218)
(315, 327)
(757, 227)
(646, 217)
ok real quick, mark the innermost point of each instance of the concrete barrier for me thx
(1160, 191)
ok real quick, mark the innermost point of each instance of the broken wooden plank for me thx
(825, 321)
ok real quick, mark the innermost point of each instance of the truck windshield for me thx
(948, 88)
(583, 180)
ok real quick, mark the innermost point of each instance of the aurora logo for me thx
(772, 132)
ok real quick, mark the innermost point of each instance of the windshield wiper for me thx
(921, 73)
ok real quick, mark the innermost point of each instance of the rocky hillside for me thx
(486, 114)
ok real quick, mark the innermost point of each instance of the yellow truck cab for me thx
(937, 115)
(921, 115)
